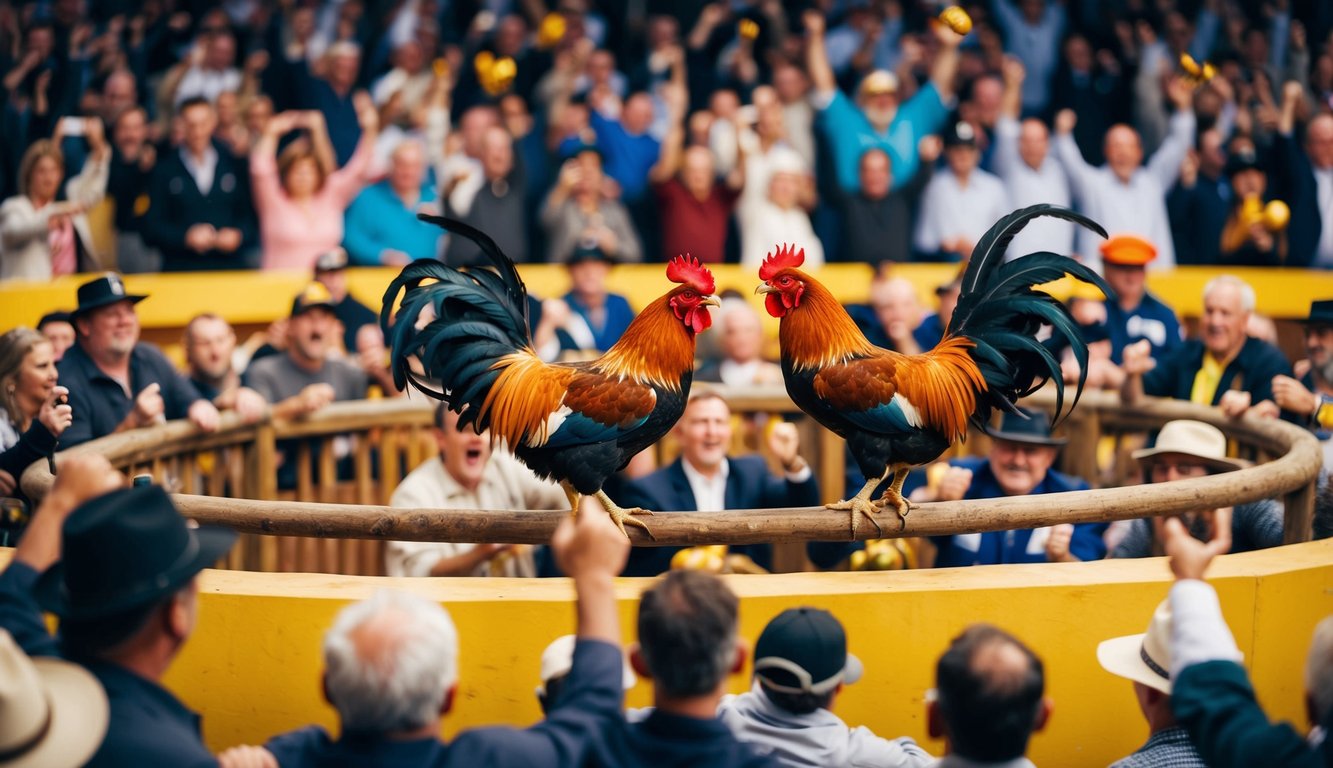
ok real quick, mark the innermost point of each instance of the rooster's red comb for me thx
(785, 256)
(688, 269)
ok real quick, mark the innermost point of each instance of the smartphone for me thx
(75, 126)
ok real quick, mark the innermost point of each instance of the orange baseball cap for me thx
(1128, 251)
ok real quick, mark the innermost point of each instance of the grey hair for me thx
(687, 632)
(390, 661)
(1247, 301)
(1319, 669)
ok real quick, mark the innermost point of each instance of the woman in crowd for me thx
(299, 195)
(43, 237)
(34, 416)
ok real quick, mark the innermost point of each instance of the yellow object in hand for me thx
(1276, 216)
(747, 29)
(956, 19)
(551, 31)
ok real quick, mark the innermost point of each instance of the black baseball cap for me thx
(804, 650)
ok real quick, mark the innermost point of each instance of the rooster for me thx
(574, 423)
(899, 411)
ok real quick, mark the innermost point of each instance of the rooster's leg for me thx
(893, 495)
(860, 504)
(620, 515)
(574, 497)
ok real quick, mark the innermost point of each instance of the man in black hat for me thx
(960, 203)
(1019, 464)
(1312, 395)
(126, 592)
(331, 272)
(801, 664)
(115, 381)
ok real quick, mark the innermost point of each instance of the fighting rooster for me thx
(575, 423)
(899, 411)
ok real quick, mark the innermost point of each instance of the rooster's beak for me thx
(711, 301)
(763, 288)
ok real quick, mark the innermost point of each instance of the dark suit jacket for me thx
(176, 204)
(1293, 183)
(749, 486)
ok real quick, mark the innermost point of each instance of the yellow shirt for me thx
(1206, 380)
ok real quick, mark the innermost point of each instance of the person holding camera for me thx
(43, 237)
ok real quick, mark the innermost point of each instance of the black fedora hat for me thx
(124, 550)
(1033, 430)
(1321, 313)
(104, 290)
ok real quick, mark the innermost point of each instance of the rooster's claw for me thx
(859, 506)
(621, 516)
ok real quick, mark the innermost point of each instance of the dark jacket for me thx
(749, 486)
(1251, 371)
(99, 403)
(176, 204)
(1293, 183)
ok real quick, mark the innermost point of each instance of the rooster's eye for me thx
(786, 280)
(688, 295)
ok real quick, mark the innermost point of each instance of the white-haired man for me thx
(391, 671)
(1225, 367)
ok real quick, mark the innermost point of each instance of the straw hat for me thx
(53, 714)
(1144, 658)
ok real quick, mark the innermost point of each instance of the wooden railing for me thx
(337, 523)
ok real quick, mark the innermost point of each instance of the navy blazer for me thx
(1293, 183)
(176, 204)
(749, 486)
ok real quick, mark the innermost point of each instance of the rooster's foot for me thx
(899, 504)
(859, 506)
(622, 515)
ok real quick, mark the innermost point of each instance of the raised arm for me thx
(944, 70)
(1071, 158)
(347, 181)
(1006, 157)
(1164, 164)
(677, 97)
(816, 55)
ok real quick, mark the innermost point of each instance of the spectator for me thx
(628, 149)
(1122, 195)
(497, 207)
(58, 711)
(598, 317)
(1188, 449)
(694, 205)
(742, 363)
(801, 664)
(1199, 202)
(391, 671)
(458, 170)
(1225, 367)
(688, 645)
(381, 226)
(781, 217)
(931, 330)
(199, 214)
(1032, 32)
(127, 596)
(792, 87)
(58, 328)
(331, 272)
(1305, 180)
(1134, 314)
(761, 139)
(877, 222)
(1019, 464)
(206, 72)
(331, 93)
(988, 699)
(1249, 238)
(1092, 85)
(43, 238)
(210, 349)
(34, 414)
(299, 198)
(1145, 660)
(132, 160)
(941, 233)
(1312, 397)
(1211, 695)
(402, 91)
(577, 215)
(469, 474)
(117, 382)
(1022, 157)
(705, 479)
(894, 318)
(557, 660)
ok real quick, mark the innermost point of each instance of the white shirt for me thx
(949, 209)
(1137, 208)
(769, 225)
(710, 493)
(505, 484)
(201, 170)
(1029, 186)
(1198, 631)
(1323, 180)
(208, 83)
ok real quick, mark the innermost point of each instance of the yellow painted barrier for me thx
(253, 665)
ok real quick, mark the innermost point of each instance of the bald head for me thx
(1124, 151)
(697, 171)
(742, 333)
(1319, 141)
(896, 305)
(1034, 141)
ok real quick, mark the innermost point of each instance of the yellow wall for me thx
(253, 665)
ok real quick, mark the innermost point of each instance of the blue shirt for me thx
(1151, 320)
(377, 221)
(617, 315)
(664, 739)
(589, 705)
(99, 402)
(627, 158)
(1012, 546)
(850, 134)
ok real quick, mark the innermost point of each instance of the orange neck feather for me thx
(819, 332)
(656, 348)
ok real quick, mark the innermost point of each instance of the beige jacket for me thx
(24, 250)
